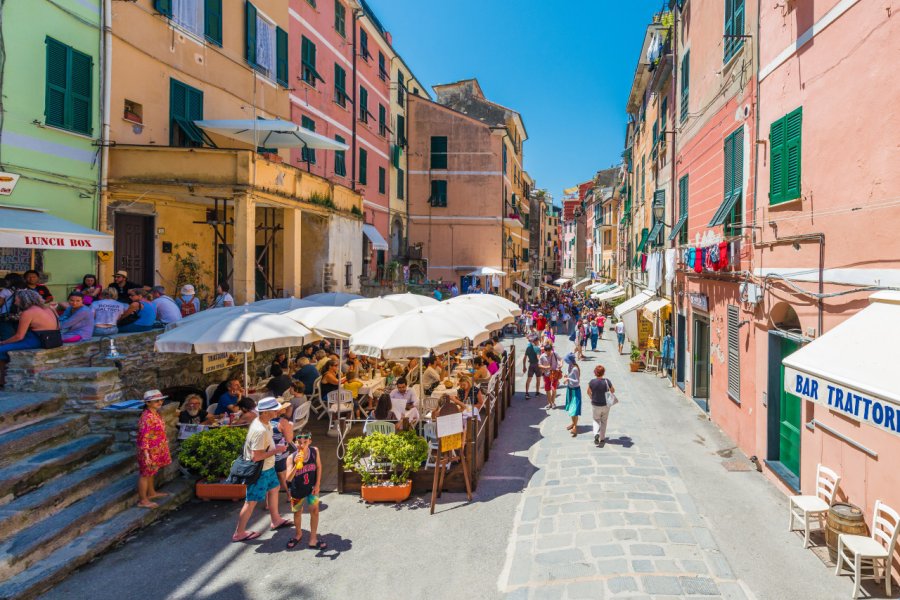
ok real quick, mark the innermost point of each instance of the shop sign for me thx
(844, 399)
(8, 183)
(645, 330)
(223, 360)
(699, 301)
(449, 431)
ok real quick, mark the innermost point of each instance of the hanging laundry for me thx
(714, 258)
(692, 257)
(723, 255)
(670, 264)
(643, 263)
(698, 261)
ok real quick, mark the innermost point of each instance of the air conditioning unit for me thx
(751, 293)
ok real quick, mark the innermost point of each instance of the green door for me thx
(789, 430)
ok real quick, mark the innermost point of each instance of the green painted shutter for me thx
(396, 150)
(363, 166)
(401, 131)
(438, 152)
(57, 83)
(793, 130)
(194, 105)
(737, 210)
(212, 21)
(683, 201)
(340, 161)
(177, 105)
(250, 50)
(281, 56)
(400, 184)
(308, 154)
(382, 180)
(363, 104)
(163, 7)
(728, 155)
(685, 84)
(729, 23)
(776, 162)
(80, 92)
(737, 25)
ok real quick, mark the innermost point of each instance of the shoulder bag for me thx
(611, 399)
(244, 471)
(51, 338)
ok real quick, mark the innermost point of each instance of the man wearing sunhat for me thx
(121, 285)
(259, 446)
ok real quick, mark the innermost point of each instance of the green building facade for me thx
(50, 83)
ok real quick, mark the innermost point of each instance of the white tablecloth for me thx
(369, 387)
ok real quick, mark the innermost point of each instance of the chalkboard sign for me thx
(18, 260)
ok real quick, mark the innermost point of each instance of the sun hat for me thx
(187, 290)
(153, 395)
(122, 273)
(570, 358)
(269, 403)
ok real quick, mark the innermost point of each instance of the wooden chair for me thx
(815, 507)
(859, 551)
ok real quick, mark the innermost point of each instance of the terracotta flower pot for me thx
(386, 493)
(220, 491)
(635, 367)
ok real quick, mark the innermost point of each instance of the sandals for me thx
(250, 535)
(292, 543)
(569, 427)
(284, 523)
(319, 545)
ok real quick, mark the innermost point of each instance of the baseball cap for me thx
(122, 273)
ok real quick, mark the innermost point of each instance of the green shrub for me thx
(210, 453)
(379, 457)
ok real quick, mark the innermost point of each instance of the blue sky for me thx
(565, 66)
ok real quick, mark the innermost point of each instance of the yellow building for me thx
(192, 204)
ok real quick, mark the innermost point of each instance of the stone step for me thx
(58, 493)
(44, 432)
(17, 409)
(18, 478)
(43, 574)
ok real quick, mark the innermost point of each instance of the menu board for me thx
(17, 260)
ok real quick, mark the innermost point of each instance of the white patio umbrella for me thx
(489, 300)
(332, 298)
(211, 314)
(476, 321)
(482, 271)
(415, 333)
(381, 306)
(271, 133)
(339, 322)
(413, 300)
(277, 305)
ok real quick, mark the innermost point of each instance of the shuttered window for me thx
(363, 104)
(400, 184)
(364, 44)
(784, 163)
(685, 84)
(340, 17)
(340, 86)
(250, 33)
(680, 230)
(734, 352)
(185, 107)
(734, 27)
(401, 88)
(731, 211)
(363, 166)
(382, 180)
(308, 154)
(438, 152)
(401, 131)
(340, 161)
(68, 100)
(382, 120)
(438, 193)
(308, 72)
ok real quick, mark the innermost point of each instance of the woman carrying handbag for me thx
(603, 397)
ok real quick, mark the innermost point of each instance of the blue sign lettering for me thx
(889, 418)
(877, 413)
(830, 395)
(867, 402)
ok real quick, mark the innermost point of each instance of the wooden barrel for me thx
(843, 518)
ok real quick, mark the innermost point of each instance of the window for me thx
(185, 107)
(340, 159)
(363, 166)
(348, 273)
(663, 119)
(396, 151)
(734, 353)
(363, 104)
(340, 86)
(734, 27)
(730, 213)
(382, 120)
(680, 230)
(400, 184)
(308, 154)
(438, 152)
(340, 18)
(308, 72)
(364, 44)
(68, 100)
(401, 131)
(685, 84)
(203, 18)
(438, 193)
(382, 180)
(504, 157)
(266, 49)
(401, 88)
(382, 69)
(784, 165)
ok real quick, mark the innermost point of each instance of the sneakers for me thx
(527, 396)
(597, 440)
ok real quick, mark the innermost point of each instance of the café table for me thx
(370, 386)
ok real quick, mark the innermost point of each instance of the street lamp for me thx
(659, 211)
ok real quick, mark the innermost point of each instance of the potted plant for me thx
(209, 455)
(635, 359)
(385, 464)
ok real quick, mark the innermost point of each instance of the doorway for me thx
(680, 350)
(133, 247)
(701, 363)
(785, 414)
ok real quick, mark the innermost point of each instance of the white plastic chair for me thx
(815, 507)
(210, 390)
(429, 432)
(211, 410)
(316, 400)
(859, 551)
(385, 427)
(339, 402)
(301, 416)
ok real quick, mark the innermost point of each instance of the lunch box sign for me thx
(8, 183)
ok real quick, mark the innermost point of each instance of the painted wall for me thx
(58, 170)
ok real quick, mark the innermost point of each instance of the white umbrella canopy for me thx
(332, 298)
(415, 333)
(413, 300)
(271, 133)
(482, 271)
(211, 314)
(237, 332)
(339, 322)
(277, 305)
(491, 300)
(381, 306)
(476, 321)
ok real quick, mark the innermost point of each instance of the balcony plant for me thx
(209, 454)
(385, 464)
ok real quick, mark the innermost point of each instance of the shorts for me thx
(268, 480)
(305, 497)
(621, 337)
(533, 371)
(281, 465)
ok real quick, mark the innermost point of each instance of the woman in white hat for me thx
(188, 301)
(153, 448)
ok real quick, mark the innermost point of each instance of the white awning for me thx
(633, 303)
(482, 271)
(271, 133)
(562, 280)
(582, 282)
(513, 293)
(656, 305)
(601, 287)
(851, 368)
(378, 241)
(522, 284)
(31, 228)
(609, 295)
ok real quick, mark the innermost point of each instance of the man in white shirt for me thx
(166, 309)
(400, 396)
(107, 311)
(620, 334)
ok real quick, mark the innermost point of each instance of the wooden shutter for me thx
(194, 106)
(308, 154)
(728, 155)
(382, 180)
(776, 162)
(57, 83)
(438, 152)
(212, 21)
(728, 29)
(163, 7)
(80, 92)
(734, 352)
(281, 56)
(401, 131)
(340, 162)
(737, 210)
(250, 50)
(792, 134)
(363, 166)
(685, 84)
(400, 184)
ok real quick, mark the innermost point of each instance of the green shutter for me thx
(401, 131)
(685, 84)
(363, 166)
(57, 83)
(340, 161)
(736, 215)
(363, 104)
(793, 130)
(281, 56)
(728, 163)
(308, 154)
(250, 49)
(185, 107)
(395, 155)
(776, 162)
(400, 184)
(212, 21)
(438, 152)
(382, 180)
(163, 7)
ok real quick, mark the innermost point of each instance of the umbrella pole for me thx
(246, 382)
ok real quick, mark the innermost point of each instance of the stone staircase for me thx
(67, 494)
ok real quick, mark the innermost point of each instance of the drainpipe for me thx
(106, 77)
(756, 126)
(674, 181)
(356, 14)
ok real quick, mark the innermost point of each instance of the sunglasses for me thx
(304, 436)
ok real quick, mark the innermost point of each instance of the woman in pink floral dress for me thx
(153, 448)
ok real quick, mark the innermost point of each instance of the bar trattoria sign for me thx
(844, 399)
